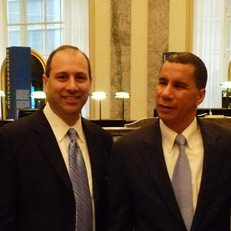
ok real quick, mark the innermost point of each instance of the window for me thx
(35, 23)
(44, 25)
(212, 42)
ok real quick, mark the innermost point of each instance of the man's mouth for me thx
(165, 108)
(72, 98)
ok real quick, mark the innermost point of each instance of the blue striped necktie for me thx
(78, 175)
(182, 183)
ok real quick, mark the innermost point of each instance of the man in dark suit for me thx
(36, 191)
(141, 192)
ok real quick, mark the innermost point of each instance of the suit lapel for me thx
(211, 165)
(95, 154)
(48, 144)
(154, 160)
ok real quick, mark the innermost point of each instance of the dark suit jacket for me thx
(35, 188)
(140, 190)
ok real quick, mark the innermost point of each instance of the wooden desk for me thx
(116, 132)
(120, 131)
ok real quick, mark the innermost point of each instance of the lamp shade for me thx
(98, 95)
(226, 84)
(2, 93)
(122, 95)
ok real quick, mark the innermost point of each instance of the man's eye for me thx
(81, 77)
(179, 85)
(162, 82)
(61, 77)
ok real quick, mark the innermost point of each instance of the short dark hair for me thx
(65, 47)
(201, 74)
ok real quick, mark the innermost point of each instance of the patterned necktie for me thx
(182, 183)
(78, 175)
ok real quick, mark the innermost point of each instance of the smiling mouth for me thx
(72, 98)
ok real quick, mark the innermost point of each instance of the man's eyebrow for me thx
(161, 76)
(180, 83)
(60, 73)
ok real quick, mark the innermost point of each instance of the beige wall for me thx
(139, 54)
(180, 27)
(100, 54)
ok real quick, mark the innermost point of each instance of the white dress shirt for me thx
(60, 129)
(194, 150)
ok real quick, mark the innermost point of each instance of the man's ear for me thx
(45, 82)
(201, 96)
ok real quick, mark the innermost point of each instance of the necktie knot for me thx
(180, 140)
(72, 134)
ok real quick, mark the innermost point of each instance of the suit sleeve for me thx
(120, 213)
(8, 186)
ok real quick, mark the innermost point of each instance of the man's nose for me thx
(167, 91)
(72, 83)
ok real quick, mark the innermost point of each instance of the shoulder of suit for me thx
(214, 127)
(37, 119)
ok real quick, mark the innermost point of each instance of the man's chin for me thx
(167, 119)
(71, 109)
(166, 115)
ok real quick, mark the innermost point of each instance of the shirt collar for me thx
(59, 127)
(168, 135)
(191, 132)
(79, 129)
